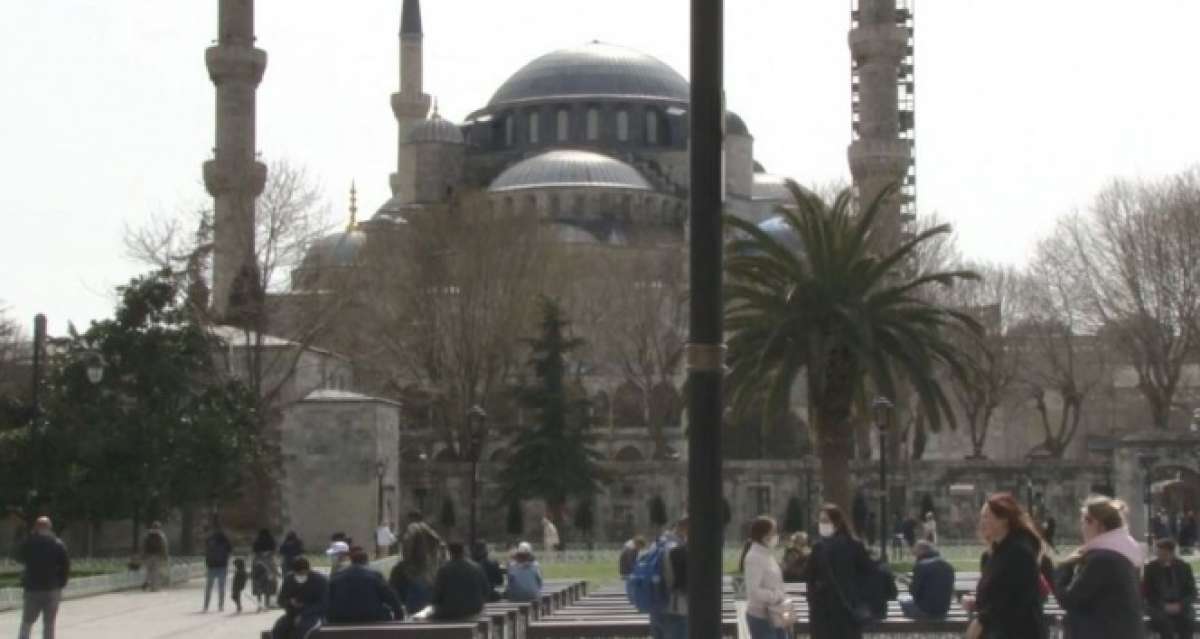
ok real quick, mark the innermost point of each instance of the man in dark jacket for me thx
(1170, 591)
(304, 598)
(358, 594)
(460, 587)
(45, 575)
(217, 550)
(490, 567)
(932, 584)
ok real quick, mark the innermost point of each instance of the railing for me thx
(179, 571)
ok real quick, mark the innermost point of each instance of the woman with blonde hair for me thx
(1099, 585)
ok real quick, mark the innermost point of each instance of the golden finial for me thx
(353, 207)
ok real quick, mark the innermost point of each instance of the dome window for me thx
(593, 124)
(508, 130)
(623, 125)
(534, 121)
(651, 127)
(564, 125)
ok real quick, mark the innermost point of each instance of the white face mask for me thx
(772, 541)
(826, 529)
(301, 578)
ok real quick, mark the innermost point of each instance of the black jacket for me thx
(495, 577)
(459, 590)
(358, 594)
(46, 564)
(932, 585)
(836, 573)
(217, 550)
(312, 596)
(291, 548)
(1007, 599)
(1173, 583)
(1101, 595)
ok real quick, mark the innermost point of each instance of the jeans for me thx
(217, 575)
(667, 626)
(42, 603)
(762, 629)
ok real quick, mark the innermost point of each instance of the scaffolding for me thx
(906, 103)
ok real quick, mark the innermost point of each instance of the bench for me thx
(397, 630)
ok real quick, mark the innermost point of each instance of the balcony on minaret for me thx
(235, 62)
(227, 175)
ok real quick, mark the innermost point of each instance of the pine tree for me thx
(552, 460)
(795, 519)
(658, 511)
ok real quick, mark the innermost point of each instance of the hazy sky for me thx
(1024, 108)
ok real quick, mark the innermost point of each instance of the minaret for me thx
(878, 155)
(234, 177)
(411, 104)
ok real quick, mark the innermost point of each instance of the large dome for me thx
(566, 168)
(595, 69)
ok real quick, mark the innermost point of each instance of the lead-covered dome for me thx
(569, 168)
(335, 250)
(595, 69)
(435, 129)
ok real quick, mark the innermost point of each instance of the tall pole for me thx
(35, 408)
(705, 351)
(883, 492)
(474, 497)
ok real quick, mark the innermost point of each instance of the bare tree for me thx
(11, 379)
(1138, 268)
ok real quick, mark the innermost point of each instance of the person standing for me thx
(629, 555)
(240, 577)
(304, 598)
(264, 548)
(384, 538)
(932, 585)
(155, 556)
(1007, 602)
(672, 621)
(291, 548)
(835, 571)
(550, 538)
(929, 529)
(217, 550)
(1099, 585)
(765, 596)
(45, 574)
(1170, 589)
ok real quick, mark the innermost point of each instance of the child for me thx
(239, 582)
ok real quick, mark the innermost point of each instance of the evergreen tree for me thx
(448, 518)
(795, 518)
(658, 511)
(552, 460)
(516, 519)
(585, 517)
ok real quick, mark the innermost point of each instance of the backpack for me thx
(645, 588)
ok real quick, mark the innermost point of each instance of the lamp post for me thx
(883, 408)
(1147, 461)
(476, 430)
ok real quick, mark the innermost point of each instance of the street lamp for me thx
(1147, 461)
(882, 407)
(476, 431)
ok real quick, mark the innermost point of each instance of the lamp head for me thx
(882, 407)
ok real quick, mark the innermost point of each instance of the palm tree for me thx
(817, 297)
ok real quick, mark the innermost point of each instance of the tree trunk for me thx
(835, 449)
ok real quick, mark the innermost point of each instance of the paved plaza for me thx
(139, 615)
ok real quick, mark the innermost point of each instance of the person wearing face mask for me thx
(304, 597)
(1008, 601)
(1099, 585)
(764, 581)
(834, 573)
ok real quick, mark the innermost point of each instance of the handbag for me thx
(781, 614)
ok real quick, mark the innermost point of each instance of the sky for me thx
(1025, 108)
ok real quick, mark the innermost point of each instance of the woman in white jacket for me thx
(764, 580)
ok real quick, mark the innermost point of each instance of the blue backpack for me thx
(645, 588)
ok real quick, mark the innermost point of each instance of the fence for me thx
(121, 579)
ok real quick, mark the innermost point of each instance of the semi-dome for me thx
(595, 69)
(335, 250)
(435, 129)
(569, 168)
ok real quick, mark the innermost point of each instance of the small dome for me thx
(335, 249)
(770, 188)
(595, 69)
(781, 231)
(435, 129)
(735, 125)
(565, 168)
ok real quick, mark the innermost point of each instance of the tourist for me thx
(303, 598)
(767, 607)
(459, 588)
(524, 575)
(240, 577)
(155, 556)
(929, 529)
(422, 557)
(384, 538)
(629, 555)
(264, 548)
(217, 550)
(932, 585)
(795, 557)
(1170, 589)
(908, 529)
(338, 553)
(836, 568)
(490, 567)
(358, 594)
(672, 622)
(550, 537)
(291, 548)
(1007, 601)
(1098, 585)
(262, 581)
(45, 574)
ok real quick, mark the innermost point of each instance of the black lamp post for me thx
(1147, 461)
(883, 409)
(476, 430)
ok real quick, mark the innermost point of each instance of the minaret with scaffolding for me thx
(883, 109)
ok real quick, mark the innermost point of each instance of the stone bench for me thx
(400, 629)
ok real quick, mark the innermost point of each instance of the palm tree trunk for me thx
(835, 449)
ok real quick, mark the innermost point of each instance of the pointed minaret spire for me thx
(353, 207)
(411, 104)
(410, 18)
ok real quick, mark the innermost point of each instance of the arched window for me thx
(593, 124)
(508, 130)
(622, 125)
(564, 125)
(533, 127)
(651, 126)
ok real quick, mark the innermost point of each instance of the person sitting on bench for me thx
(358, 594)
(460, 588)
(932, 584)
(1170, 591)
(303, 598)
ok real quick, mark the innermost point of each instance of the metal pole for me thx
(474, 496)
(35, 411)
(883, 490)
(705, 352)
